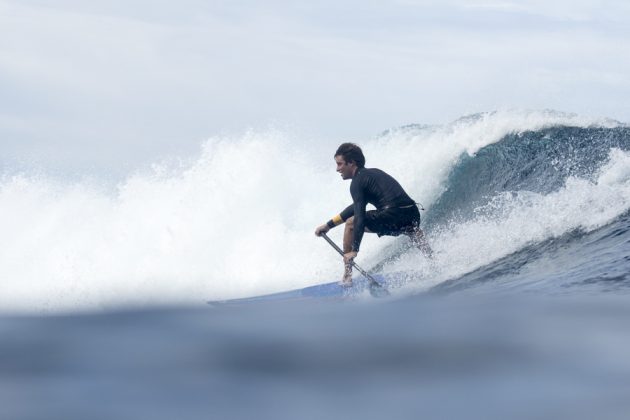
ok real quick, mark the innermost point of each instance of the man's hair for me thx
(351, 153)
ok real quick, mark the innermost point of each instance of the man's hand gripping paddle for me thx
(376, 289)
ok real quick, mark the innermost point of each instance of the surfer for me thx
(396, 213)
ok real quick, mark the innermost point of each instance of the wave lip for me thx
(539, 161)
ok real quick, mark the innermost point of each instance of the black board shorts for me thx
(393, 221)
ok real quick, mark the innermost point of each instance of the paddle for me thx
(376, 289)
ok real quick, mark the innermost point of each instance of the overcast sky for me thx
(113, 83)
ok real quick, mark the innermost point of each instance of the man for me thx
(396, 213)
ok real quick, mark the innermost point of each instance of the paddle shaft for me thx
(362, 271)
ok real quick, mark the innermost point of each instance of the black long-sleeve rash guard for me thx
(377, 188)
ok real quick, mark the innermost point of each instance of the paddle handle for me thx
(362, 271)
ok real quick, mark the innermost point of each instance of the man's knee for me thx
(350, 222)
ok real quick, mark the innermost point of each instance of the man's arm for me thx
(336, 220)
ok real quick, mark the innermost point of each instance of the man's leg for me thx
(348, 234)
(418, 239)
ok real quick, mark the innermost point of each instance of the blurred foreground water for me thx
(423, 357)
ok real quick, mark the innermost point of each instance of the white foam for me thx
(239, 219)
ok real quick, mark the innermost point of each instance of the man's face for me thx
(344, 168)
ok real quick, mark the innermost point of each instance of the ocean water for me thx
(522, 313)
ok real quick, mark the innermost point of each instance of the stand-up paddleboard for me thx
(328, 291)
(376, 285)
